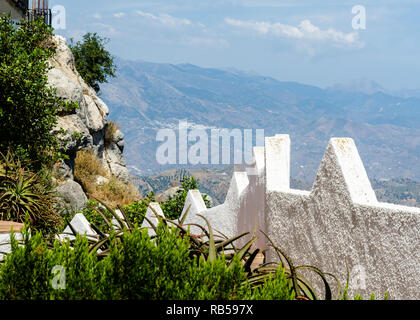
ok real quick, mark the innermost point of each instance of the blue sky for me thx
(308, 41)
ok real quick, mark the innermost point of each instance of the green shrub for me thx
(139, 269)
(137, 210)
(275, 287)
(95, 214)
(135, 267)
(94, 63)
(172, 208)
(27, 273)
(28, 106)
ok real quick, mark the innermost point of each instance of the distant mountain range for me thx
(147, 96)
(216, 183)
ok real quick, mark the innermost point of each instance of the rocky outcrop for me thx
(72, 195)
(85, 127)
(113, 155)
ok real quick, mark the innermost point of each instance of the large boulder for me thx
(72, 195)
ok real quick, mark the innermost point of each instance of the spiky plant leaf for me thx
(212, 246)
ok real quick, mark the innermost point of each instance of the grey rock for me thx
(101, 106)
(120, 145)
(76, 135)
(118, 136)
(120, 172)
(72, 195)
(113, 154)
(168, 194)
(116, 162)
(64, 170)
(64, 56)
(95, 120)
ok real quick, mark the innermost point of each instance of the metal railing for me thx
(38, 8)
(33, 14)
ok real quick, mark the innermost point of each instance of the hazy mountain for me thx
(146, 97)
(216, 184)
(363, 85)
(408, 93)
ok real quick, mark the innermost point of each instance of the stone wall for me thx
(339, 224)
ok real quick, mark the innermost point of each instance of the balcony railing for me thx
(38, 9)
(33, 14)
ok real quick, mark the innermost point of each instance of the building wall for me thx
(7, 6)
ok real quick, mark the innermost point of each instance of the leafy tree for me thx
(28, 106)
(93, 62)
(173, 207)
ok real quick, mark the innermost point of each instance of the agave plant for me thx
(301, 286)
(211, 244)
(24, 192)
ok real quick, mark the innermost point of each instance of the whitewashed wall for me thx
(338, 223)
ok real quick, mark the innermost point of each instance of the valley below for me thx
(215, 183)
(147, 97)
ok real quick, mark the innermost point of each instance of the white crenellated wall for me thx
(338, 223)
(341, 221)
(243, 209)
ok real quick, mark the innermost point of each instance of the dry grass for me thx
(115, 192)
(111, 128)
(87, 169)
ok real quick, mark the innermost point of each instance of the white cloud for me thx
(304, 31)
(206, 42)
(97, 16)
(165, 19)
(119, 14)
(107, 29)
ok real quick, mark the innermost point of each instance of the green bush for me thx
(275, 287)
(27, 273)
(172, 208)
(137, 210)
(135, 267)
(139, 269)
(28, 106)
(94, 63)
(95, 214)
